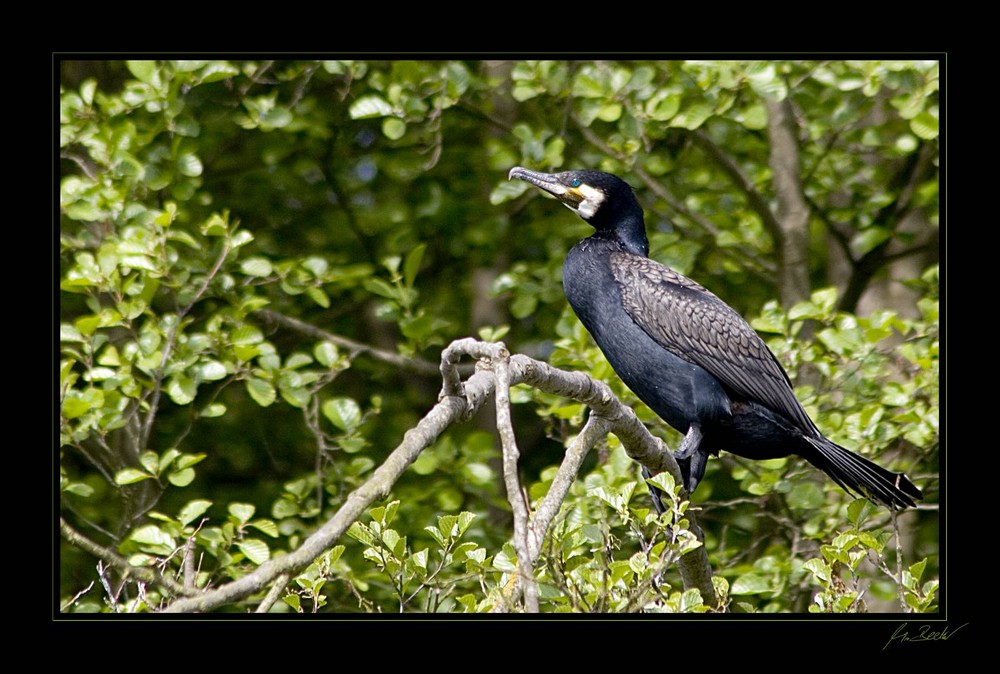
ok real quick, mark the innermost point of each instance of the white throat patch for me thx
(593, 199)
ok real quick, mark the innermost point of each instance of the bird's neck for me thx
(629, 232)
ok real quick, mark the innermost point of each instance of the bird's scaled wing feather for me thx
(697, 326)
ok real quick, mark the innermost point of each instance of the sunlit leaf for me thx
(255, 549)
(370, 106)
(344, 413)
(131, 476)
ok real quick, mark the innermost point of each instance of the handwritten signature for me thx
(923, 633)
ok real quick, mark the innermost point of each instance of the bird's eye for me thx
(575, 182)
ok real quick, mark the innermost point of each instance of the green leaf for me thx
(334, 554)
(189, 165)
(297, 360)
(442, 540)
(751, 583)
(394, 542)
(412, 264)
(663, 105)
(388, 512)
(692, 116)
(766, 81)
(153, 535)
(261, 391)
(87, 89)
(361, 533)
(255, 549)
(284, 508)
(755, 117)
(665, 481)
(212, 370)
(326, 353)
(393, 128)
(859, 510)
(381, 287)
(216, 71)
(142, 70)
(256, 266)
(181, 478)
(241, 238)
(819, 568)
(213, 410)
(417, 328)
(419, 560)
(610, 112)
(506, 191)
(181, 389)
(319, 296)
(277, 117)
(245, 335)
(265, 526)
(131, 476)
(79, 488)
(505, 560)
(925, 125)
(344, 413)
(868, 239)
(242, 511)
(465, 518)
(73, 408)
(150, 460)
(691, 600)
(193, 510)
(352, 445)
(370, 106)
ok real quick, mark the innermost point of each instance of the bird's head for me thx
(586, 193)
(604, 201)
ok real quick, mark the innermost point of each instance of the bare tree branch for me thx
(146, 575)
(414, 365)
(457, 402)
(515, 496)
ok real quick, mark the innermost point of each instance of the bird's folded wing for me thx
(697, 326)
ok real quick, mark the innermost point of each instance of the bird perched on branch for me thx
(685, 353)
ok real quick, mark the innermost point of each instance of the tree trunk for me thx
(792, 211)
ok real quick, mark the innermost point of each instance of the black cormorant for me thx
(685, 353)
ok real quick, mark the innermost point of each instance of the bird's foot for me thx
(654, 493)
(691, 459)
(690, 443)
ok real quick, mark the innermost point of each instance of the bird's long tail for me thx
(858, 475)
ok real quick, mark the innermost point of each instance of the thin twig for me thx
(171, 338)
(505, 428)
(73, 537)
(273, 594)
(414, 365)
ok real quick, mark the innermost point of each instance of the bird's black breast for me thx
(679, 391)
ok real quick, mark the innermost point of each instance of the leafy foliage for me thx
(261, 260)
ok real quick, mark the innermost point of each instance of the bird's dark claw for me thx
(654, 493)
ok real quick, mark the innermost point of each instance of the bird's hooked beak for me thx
(570, 196)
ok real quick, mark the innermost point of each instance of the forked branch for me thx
(457, 402)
